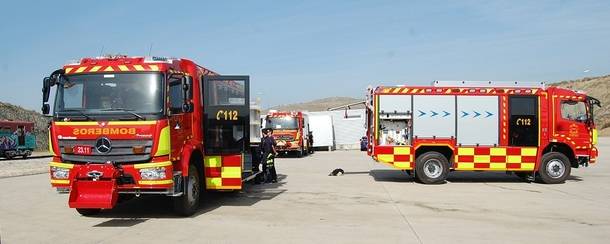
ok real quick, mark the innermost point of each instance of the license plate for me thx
(81, 150)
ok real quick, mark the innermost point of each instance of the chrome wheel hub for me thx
(555, 168)
(433, 168)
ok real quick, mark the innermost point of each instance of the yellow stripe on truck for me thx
(61, 165)
(152, 165)
(230, 172)
(147, 122)
(50, 142)
(164, 147)
(65, 182)
(155, 182)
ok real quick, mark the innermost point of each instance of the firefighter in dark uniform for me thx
(268, 158)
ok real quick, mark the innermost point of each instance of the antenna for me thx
(101, 51)
(150, 49)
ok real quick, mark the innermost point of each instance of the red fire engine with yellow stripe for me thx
(529, 129)
(146, 125)
(291, 131)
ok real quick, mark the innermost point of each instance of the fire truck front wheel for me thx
(555, 168)
(431, 168)
(188, 203)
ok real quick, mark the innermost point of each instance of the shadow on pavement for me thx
(19, 158)
(140, 209)
(390, 175)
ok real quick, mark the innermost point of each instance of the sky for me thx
(296, 51)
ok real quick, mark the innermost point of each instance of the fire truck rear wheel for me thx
(88, 211)
(431, 168)
(555, 168)
(188, 203)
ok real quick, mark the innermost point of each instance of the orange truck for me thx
(146, 125)
(291, 132)
(534, 131)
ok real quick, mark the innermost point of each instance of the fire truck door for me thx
(523, 124)
(226, 115)
(179, 121)
(571, 120)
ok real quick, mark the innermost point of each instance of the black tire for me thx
(88, 211)
(24, 156)
(554, 168)
(431, 168)
(188, 203)
(300, 153)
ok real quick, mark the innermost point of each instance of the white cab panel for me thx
(434, 115)
(477, 120)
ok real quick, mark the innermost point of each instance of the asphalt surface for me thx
(369, 204)
(37, 163)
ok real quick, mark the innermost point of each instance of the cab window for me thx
(175, 97)
(573, 110)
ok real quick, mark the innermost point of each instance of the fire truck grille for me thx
(284, 138)
(122, 151)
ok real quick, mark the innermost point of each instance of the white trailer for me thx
(322, 129)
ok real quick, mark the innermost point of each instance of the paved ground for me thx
(370, 204)
(37, 163)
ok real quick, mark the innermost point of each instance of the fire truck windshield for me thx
(101, 94)
(282, 123)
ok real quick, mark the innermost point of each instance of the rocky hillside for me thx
(12, 112)
(597, 87)
(317, 105)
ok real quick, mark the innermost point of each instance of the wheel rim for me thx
(555, 168)
(433, 168)
(193, 190)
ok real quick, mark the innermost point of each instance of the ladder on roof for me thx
(506, 84)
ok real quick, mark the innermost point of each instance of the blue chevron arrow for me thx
(488, 114)
(464, 114)
(446, 113)
(476, 114)
(421, 113)
(433, 113)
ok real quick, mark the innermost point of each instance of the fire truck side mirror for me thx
(45, 108)
(187, 87)
(46, 88)
(187, 107)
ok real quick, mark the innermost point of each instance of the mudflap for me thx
(95, 186)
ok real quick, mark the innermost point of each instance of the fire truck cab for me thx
(146, 125)
(291, 131)
(529, 129)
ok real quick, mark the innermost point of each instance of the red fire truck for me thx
(146, 125)
(291, 131)
(529, 129)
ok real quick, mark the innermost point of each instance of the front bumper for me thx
(128, 179)
(288, 146)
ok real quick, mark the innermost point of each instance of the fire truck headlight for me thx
(152, 173)
(60, 173)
